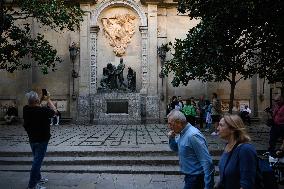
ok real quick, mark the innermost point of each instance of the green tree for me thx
(227, 44)
(269, 32)
(18, 43)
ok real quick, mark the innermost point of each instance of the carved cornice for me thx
(159, 2)
(145, 2)
(109, 3)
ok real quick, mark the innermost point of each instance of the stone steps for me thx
(98, 160)
(101, 152)
(131, 162)
(120, 162)
(93, 153)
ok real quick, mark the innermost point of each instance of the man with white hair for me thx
(195, 160)
(36, 124)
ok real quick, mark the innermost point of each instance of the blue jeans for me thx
(194, 181)
(39, 150)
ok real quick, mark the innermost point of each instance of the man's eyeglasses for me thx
(276, 100)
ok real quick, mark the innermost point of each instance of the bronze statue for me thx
(119, 73)
(131, 78)
(113, 79)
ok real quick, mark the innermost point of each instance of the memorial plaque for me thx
(117, 107)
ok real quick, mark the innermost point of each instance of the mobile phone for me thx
(44, 92)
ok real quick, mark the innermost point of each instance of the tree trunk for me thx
(232, 93)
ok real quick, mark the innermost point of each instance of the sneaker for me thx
(214, 133)
(37, 187)
(43, 180)
(56, 124)
(206, 130)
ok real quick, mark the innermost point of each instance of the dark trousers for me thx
(39, 150)
(276, 132)
(194, 181)
(201, 120)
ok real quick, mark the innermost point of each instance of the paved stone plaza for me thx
(108, 137)
(105, 138)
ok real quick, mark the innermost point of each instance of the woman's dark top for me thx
(241, 168)
(36, 122)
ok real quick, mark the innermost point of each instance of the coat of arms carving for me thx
(119, 30)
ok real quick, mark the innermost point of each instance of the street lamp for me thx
(73, 51)
(162, 52)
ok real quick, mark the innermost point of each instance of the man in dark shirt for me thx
(11, 115)
(36, 124)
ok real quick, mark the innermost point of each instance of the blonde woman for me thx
(238, 162)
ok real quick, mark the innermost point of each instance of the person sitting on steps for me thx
(11, 115)
(245, 114)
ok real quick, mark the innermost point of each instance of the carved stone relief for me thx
(119, 30)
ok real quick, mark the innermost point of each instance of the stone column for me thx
(144, 63)
(82, 110)
(93, 69)
(93, 58)
(162, 80)
(153, 64)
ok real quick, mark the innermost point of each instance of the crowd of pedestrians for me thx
(238, 165)
(204, 111)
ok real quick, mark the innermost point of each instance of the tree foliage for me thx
(19, 46)
(233, 40)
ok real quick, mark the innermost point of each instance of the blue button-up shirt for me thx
(194, 157)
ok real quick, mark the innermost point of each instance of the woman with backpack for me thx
(238, 163)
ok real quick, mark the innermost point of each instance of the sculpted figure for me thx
(119, 30)
(131, 79)
(112, 76)
(105, 80)
(119, 73)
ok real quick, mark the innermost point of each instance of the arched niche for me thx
(94, 29)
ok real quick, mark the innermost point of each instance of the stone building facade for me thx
(112, 29)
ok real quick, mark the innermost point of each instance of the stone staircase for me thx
(118, 162)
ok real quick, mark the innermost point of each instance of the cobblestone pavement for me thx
(108, 137)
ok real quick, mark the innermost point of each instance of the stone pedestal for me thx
(118, 108)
